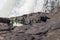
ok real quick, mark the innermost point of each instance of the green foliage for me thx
(38, 21)
(23, 21)
(30, 22)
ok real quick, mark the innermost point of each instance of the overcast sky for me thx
(1, 3)
(23, 9)
(29, 6)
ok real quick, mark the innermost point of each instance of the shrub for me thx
(30, 22)
(38, 21)
(23, 21)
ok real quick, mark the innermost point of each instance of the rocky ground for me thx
(33, 28)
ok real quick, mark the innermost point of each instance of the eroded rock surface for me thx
(35, 30)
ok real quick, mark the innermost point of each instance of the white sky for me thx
(39, 6)
(29, 6)
(6, 7)
(2, 3)
(26, 8)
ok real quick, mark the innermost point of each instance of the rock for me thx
(1, 38)
(33, 17)
(22, 28)
(54, 35)
(38, 28)
(17, 36)
(3, 26)
(49, 30)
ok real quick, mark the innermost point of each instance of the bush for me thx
(23, 21)
(38, 21)
(30, 22)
